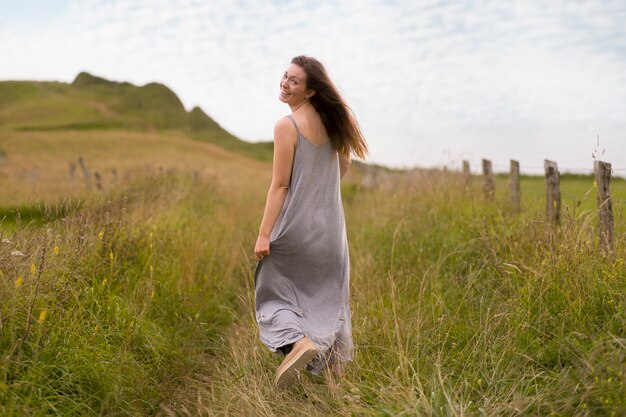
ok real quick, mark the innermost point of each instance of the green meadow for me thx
(135, 297)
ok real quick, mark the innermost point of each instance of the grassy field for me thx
(135, 297)
(138, 300)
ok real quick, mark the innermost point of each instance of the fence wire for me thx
(562, 169)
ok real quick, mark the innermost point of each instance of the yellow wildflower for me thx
(104, 282)
(101, 234)
(18, 282)
(55, 250)
(42, 316)
(33, 269)
(111, 255)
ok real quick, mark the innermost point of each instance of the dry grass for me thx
(459, 307)
(36, 164)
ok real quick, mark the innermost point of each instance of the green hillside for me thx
(127, 288)
(94, 103)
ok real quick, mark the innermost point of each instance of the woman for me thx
(302, 277)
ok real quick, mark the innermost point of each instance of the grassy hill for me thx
(130, 292)
(93, 103)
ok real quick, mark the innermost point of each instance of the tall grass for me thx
(111, 306)
(459, 308)
(141, 302)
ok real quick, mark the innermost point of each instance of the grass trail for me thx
(459, 308)
(140, 302)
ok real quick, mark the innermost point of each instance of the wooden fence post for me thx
(98, 178)
(83, 167)
(553, 191)
(72, 167)
(514, 188)
(602, 171)
(489, 182)
(467, 176)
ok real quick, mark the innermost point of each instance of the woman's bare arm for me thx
(344, 164)
(284, 148)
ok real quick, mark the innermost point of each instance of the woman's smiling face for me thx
(293, 85)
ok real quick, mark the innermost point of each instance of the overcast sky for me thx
(431, 82)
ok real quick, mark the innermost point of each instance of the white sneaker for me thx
(289, 371)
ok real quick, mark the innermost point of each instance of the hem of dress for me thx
(289, 341)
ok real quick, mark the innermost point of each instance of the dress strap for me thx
(290, 117)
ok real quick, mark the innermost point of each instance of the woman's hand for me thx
(262, 247)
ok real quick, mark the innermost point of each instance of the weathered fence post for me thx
(489, 182)
(514, 188)
(602, 171)
(72, 167)
(467, 176)
(98, 178)
(83, 167)
(553, 191)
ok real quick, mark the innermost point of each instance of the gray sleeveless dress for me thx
(302, 287)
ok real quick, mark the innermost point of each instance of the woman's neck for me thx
(295, 108)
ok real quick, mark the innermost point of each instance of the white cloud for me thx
(429, 80)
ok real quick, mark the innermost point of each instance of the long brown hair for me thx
(341, 125)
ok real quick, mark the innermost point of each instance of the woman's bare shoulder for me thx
(285, 130)
(284, 123)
